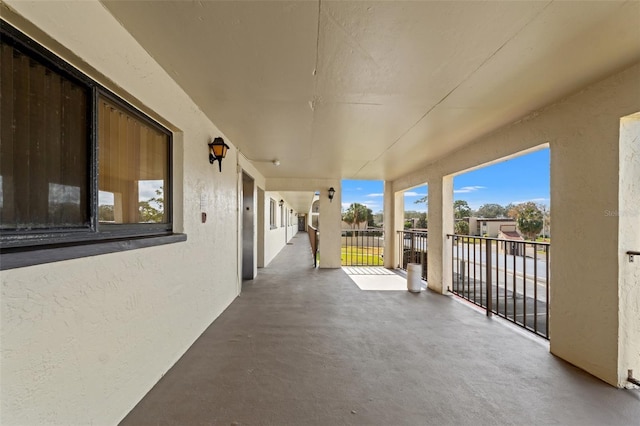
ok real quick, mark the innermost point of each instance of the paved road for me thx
(520, 264)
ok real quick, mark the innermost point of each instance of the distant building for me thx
(488, 227)
(510, 233)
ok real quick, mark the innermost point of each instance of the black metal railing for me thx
(412, 248)
(314, 240)
(362, 247)
(509, 278)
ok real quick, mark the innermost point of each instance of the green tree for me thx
(356, 214)
(152, 210)
(491, 210)
(529, 219)
(546, 219)
(461, 227)
(461, 209)
(511, 210)
(422, 221)
(423, 200)
(370, 220)
(105, 213)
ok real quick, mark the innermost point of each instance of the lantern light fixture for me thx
(331, 194)
(217, 151)
(281, 203)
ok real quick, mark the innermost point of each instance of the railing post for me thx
(412, 252)
(489, 290)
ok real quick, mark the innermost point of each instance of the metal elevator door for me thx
(248, 215)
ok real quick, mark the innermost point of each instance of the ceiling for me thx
(375, 90)
(299, 201)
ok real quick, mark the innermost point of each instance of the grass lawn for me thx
(354, 256)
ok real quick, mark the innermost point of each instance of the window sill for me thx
(37, 255)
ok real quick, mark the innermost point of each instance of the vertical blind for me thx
(44, 146)
(133, 168)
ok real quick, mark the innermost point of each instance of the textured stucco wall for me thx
(440, 224)
(391, 255)
(330, 213)
(629, 240)
(582, 131)
(274, 239)
(83, 340)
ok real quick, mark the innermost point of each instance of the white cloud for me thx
(375, 195)
(147, 189)
(535, 200)
(105, 198)
(413, 194)
(467, 189)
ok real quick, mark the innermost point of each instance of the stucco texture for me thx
(83, 340)
(582, 131)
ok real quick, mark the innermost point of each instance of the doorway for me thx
(248, 230)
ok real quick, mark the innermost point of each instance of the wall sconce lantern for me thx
(281, 203)
(291, 211)
(331, 194)
(217, 151)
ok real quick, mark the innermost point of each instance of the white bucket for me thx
(414, 277)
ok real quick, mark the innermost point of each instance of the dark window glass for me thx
(77, 163)
(44, 146)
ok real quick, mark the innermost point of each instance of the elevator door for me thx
(248, 214)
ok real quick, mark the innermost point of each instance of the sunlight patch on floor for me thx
(376, 278)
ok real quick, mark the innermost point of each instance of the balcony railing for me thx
(362, 247)
(412, 248)
(509, 278)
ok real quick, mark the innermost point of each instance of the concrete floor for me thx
(308, 347)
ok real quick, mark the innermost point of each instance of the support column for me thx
(393, 222)
(585, 305)
(629, 240)
(330, 227)
(440, 221)
(390, 237)
(398, 220)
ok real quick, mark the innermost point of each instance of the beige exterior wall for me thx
(583, 133)
(440, 224)
(330, 213)
(492, 229)
(628, 214)
(83, 340)
(275, 239)
(390, 223)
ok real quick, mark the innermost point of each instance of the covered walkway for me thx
(308, 347)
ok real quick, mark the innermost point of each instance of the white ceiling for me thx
(374, 90)
(298, 201)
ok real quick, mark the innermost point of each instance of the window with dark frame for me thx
(272, 213)
(133, 167)
(282, 218)
(64, 179)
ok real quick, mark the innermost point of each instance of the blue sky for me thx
(520, 179)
